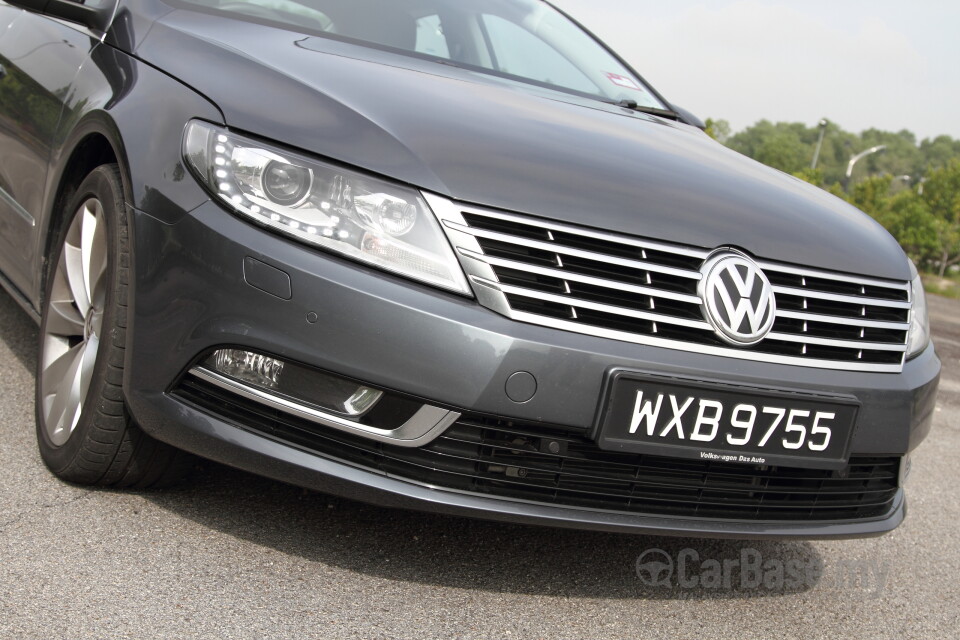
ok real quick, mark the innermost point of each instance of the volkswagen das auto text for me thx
(441, 255)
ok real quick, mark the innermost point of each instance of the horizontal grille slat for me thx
(471, 214)
(571, 251)
(858, 322)
(578, 277)
(823, 295)
(847, 344)
(502, 459)
(897, 290)
(606, 308)
(647, 292)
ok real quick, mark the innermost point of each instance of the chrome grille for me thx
(645, 292)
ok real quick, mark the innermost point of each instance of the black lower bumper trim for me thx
(494, 458)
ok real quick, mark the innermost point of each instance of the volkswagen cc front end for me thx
(456, 257)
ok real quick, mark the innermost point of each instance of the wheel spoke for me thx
(66, 398)
(93, 251)
(73, 270)
(74, 405)
(56, 371)
(64, 319)
(80, 386)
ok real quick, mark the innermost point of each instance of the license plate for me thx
(726, 423)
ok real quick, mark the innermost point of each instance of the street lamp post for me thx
(853, 161)
(816, 154)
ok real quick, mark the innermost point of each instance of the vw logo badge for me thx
(737, 298)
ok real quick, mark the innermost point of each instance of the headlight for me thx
(364, 218)
(919, 320)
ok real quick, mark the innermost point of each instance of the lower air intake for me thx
(548, 465)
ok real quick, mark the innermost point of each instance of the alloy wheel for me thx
(72, 333)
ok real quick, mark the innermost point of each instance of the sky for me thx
(862, 64)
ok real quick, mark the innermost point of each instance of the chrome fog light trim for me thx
(425, 425)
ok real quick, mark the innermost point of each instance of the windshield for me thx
(526, 40)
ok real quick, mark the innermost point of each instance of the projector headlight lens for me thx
(286, 184)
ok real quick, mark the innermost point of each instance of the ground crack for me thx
(43, 507)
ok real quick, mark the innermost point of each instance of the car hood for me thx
(494, 142)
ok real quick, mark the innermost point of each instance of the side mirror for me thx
(96, 16)
(689, 118)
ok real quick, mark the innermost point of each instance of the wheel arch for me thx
(135, 119)
(94, 142)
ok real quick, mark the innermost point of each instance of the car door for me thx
(40, 57)
(8, 16)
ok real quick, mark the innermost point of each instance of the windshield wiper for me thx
(655, 111)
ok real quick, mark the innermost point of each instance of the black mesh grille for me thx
(556, 466)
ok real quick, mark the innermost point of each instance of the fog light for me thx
(245, 366)
(298, 383)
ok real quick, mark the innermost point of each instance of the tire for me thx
(84, 431)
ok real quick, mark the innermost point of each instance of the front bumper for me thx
(191, 295)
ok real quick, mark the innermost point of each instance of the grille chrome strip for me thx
(571, 251)
(838, 297)
(577, 277)
(596, 306)
(858, 322)
(586, 233)
(829, 275)
(547, 289)
(831, 342)
(729, 352)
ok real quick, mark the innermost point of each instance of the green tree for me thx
(780, 145)
(871, 195)
(942, 191)
(938, 152)
(719, 130)
(941, 194)
(901, 156)
(813, 176)
(884, 185)
(790, 146)
(908, 219)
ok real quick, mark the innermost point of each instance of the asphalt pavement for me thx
(231, 555)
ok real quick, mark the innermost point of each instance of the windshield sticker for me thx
(624, 81)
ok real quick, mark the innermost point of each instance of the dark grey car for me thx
(440, 255)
